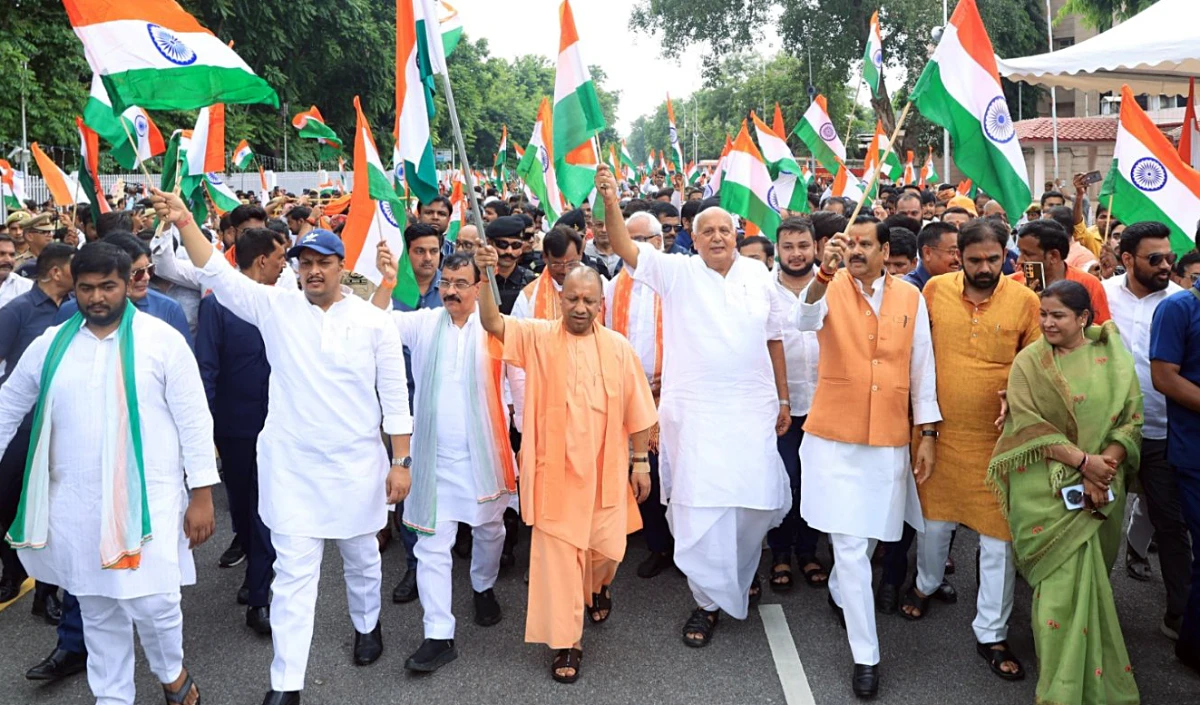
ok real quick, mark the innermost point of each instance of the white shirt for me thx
(719, 403)
(321, 463)
(13, 286)
(457, 496)
(861, 490)
(1133, 317)
(523, 308)
(175, 426)
(642, 324)
(176, 268)
(802, 351)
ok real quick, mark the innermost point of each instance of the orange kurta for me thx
(584, 397)
(973, 348)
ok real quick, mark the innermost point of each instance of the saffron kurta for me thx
(974, 347)
(586, 395)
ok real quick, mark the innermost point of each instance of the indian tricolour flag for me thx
(929, 174)
(223, 198)
(746, 186)
(133, 124)
(153, 54)
(8, 187)
(910, 173)
(311, 125)
(414, 144)
(1189, 133)
(243, 155)
(458, 210)
(881, 159)
(675, 159)
(713, 187)
(847, 185)
(627, 161)
(873, 56)
(89, 171)
(207, 151)
(960, 90)
(64, 190)
(577, 115)
(1148, 179)
(373, 207)
(537, 167)
(451, 26)
(775, 150)
(816, 131)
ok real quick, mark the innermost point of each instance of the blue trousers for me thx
(793, 534)
(239, 461)
(654, 514)
(70, 627)
(1189, 501)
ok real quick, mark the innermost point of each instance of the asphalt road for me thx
(635, 658)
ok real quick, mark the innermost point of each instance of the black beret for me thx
(574, 219)
(507, 226)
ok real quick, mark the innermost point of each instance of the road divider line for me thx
(787, 659)
(25, 587)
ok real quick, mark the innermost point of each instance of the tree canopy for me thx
(310, 52)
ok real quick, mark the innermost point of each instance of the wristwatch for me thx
(929, 434)
(405, 462)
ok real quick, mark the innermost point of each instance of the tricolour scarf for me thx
(124, 508)
(622, 295)
(487, 428)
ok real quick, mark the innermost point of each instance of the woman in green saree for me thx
(1074, 417)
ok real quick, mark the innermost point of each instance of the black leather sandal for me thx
(179, 697)
(566, 658)
(601, 602)
(701, 622)
(912, 599)
(997, 657)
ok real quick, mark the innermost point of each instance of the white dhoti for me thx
(719, 549)
(997, 577)
(433, 579)
(294, 597)
(108, 633)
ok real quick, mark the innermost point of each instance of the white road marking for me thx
(787, 660)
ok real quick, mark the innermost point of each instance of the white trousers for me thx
(108, 633)
(294, 597)
(433, 579)
(997, 577)
(719, 549)
(850, 587)
(1140, 531)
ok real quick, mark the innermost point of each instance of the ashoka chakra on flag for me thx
(214, 178)
(827, 132)
(1148, 174)
(997, 123)
(877, 57)
(773, 199)
(386, 209)
(141, 125)
(170, 46)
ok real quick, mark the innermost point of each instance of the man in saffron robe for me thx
(587, 397)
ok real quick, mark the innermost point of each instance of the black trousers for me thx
(1160, 487)
(654, 514)
(239, 461)
(12, 478)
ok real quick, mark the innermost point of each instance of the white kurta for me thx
(642, 324)
(801, 350)
(860, 490)
(719, 403)
(12, 287)
(175, 423)
(523, 308)
(457, 496)
(322, 466)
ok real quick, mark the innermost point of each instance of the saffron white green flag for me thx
(676, 157)
(224, 199)
(154, 54)
(746, 187)
(929, 173)
(537, 166)
(873, 56)
(816, 131)
(960, 91)
(243, 155)
(133, 123)
(775, 151)
(414, 105)
(577, 115)
(713, 187)
(1148, 179)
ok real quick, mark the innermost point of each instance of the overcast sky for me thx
(630, 60)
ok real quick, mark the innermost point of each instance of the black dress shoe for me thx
(463, 541)
(259, 619)
(865, 682)
(946, 593)
(487, 608)
(512, 528)
(10, 588)
(47, 605)
(234, 555)
(887, 598)
(654, 564)
(58, 665)
(433, 654)
(406, 589)
(276, 697)
(368, 647)
(243, 596)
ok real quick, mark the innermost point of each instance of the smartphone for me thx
(1035, 276)
(1092, 177)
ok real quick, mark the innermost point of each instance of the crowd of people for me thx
(880, 376)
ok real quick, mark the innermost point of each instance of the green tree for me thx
(1099, 14)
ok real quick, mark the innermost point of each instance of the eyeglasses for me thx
(458, 284)
(506, 244)
(142, 273)
(564, 266)
(952, 251)
(671, 228)
(1157, 258)
(465, 245)
(643, 238)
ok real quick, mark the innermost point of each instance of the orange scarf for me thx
(545, 306)
(620, 318)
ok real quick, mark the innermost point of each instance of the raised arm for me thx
(385, 262)
(170, 208)
(622, 244)
(835, 252)
(489, 311)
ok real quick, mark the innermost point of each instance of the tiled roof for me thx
(1089, 129)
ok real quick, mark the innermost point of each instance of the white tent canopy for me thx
(1155, 52)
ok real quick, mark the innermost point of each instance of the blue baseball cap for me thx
(321, 241)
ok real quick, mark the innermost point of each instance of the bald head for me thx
(582, 294)
(714, 238)
(585, 276)
(993, 208)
